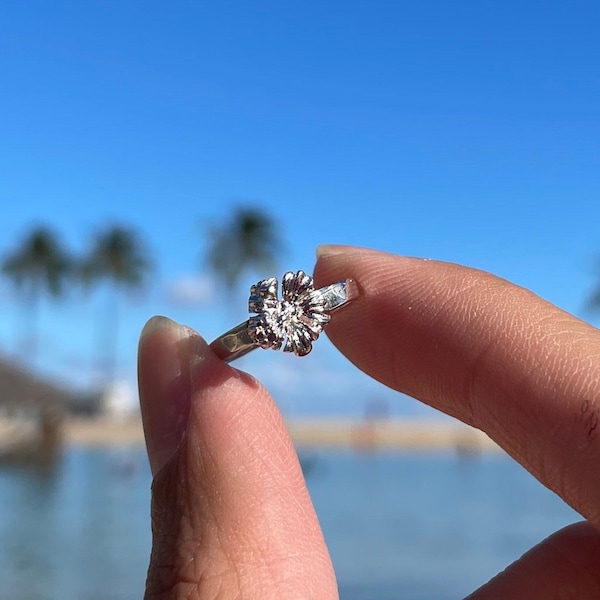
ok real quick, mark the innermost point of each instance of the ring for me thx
(293, 322)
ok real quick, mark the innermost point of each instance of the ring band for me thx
(293, 322)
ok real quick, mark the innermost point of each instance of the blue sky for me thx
(466, 132)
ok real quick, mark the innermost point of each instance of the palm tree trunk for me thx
(112, 339)
(30, 334)
(107, 341)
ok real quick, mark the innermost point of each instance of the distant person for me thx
(231, 516)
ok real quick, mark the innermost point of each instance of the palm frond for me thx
(39, 262)
(118, 255)
(249, 239)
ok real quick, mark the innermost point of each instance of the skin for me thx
(231, 516)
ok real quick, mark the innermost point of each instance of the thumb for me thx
(231, 515)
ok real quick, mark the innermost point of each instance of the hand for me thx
(230, 512)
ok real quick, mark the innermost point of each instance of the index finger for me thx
(479, 348)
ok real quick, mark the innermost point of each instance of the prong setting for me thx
(293, 322)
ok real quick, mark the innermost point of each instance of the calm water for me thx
(399, 526)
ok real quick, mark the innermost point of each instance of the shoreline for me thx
(422, 435)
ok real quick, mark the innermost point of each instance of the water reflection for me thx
(398, 526)
(77, 533)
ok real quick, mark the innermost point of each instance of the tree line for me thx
(41, 265)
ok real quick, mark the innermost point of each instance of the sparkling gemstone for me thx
(297, 319)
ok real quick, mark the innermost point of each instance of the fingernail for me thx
(164, 385)
(331, 249)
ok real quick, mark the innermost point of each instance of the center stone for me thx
(288, 316)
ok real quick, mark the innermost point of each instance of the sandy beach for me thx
(398, 434)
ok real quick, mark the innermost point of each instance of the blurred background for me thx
(158, 158)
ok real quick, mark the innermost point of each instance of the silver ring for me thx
(293, 322)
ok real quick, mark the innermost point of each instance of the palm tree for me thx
(118, 256)
(249, 239)
(39, 265)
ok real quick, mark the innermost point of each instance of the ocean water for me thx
(399, 526)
